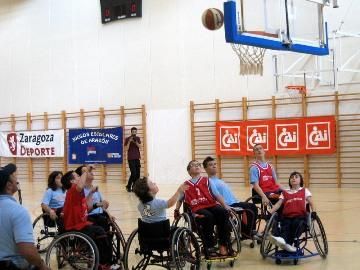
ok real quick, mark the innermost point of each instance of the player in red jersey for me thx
(294, 213)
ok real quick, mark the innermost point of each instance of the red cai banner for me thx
(307, 135)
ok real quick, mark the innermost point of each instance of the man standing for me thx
(263, 177)
(17, 249)
(132, 144)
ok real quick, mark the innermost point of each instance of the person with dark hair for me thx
(294, 212)
(263, 177)
(207, 204)
(17, 249)
(54, 197)
(76, 209)
(132, 144)
(210, 167)
(153, 209)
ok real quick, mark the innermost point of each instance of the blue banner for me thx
(102, 146)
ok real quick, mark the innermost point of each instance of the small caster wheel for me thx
(258, 242)
(278, 261)
(208, 266)
(296, 261)
(252, 245)
(232, 263)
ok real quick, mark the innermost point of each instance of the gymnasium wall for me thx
(56, 55)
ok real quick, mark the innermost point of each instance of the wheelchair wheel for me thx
(43, 233)
(183, 221)
(72, 250)
(185, 250)
(261, 211)
(133, 257)
(118, 242)
(319, 237)
(266, 245)
(234, 238)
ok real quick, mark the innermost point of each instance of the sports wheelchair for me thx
(262, 211)
(157, 244)
(311, 241)
(74, 247)
(189, 220)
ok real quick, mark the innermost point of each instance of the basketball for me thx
(212, 18)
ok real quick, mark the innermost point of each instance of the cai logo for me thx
(257, 135)
(230, 138)
(12, 143)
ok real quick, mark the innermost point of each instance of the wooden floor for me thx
(339, 210)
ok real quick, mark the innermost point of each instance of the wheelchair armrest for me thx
(237, 209)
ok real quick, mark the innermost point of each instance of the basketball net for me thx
(296, 92)
(251, 59)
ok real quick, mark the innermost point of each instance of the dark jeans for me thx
(100, 220)
(292, 228)
(134, 166)
(102, 242)
(251, 212)
(218, 216)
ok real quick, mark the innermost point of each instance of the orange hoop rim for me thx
(300, 88)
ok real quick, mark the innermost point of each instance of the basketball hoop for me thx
(251, 59)
(296, 92)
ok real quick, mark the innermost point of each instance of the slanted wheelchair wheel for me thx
(133, 258)
(266, 245)
(118, 243)
(183, 221)
(319, 237)
(75, 249)
(234, 239)
(186, 250)
(44, 234)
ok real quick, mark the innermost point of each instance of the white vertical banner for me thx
(32, 144)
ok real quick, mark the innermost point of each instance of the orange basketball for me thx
(212, 18)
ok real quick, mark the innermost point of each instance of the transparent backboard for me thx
(293, 25)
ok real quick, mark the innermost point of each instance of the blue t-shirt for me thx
(96, 198)
(153, 211)
(224, 190)
(15, 227)
(254, 173)
(54, 198)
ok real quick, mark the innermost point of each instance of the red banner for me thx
(307, 135)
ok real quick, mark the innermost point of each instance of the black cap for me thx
(4, 178)
(10, 168)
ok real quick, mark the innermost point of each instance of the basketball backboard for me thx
(290, 25)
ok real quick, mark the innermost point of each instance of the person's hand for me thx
(183, 187)
(177, 214)
(52, 214)
(313, 215)
(265, 200)
(105, 204)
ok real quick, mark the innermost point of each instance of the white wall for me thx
(56, 55)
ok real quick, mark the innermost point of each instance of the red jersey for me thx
(266, 180)
(75, 210)
(198, 195)
(294, 204)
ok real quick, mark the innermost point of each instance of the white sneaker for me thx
(278, 241)
(290, 248)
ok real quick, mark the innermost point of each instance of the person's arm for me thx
(274, 175)
(49, 211)
(311, 203)
(259, 191)
(276, 206)
(30, 253)
(218, 196)
(81, 183)
(174, 198)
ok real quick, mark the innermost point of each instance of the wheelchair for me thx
(157, 244)
(262, 210)
(45, 229)
(311, 242)
(188, 220)
(75, 250)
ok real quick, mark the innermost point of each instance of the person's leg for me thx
(137, 171)
(100, 220)
(206, 220)
(101, 240)
(297, 228)
(223, 226)
(286, 229)
(132, 167)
